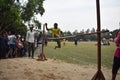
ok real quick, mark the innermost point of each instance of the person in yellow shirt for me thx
(56, 33)
(64, 42)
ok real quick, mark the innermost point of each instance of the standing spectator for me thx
(64, 42)
(75, 41)
(0, 45)
(39, 39)
(24, 48)
(19, 46)
(12, 46)
(30, 38)
(116, 61)
(3, 45)
(40, 43)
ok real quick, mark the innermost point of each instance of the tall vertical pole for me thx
(98, 34)
(99, 75)
(43, 39)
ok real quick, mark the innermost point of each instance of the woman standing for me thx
(116, 61)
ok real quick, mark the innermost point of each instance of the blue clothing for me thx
(3, 41)
(3, 47)
(39, 39)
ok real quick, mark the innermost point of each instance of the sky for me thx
(77, 15)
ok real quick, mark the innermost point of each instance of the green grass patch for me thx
(85, 53)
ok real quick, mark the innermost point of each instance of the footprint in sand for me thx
(28, 73)
(52, 76)
(39, 70)
(1, 72)
(4, 78)
(15, 67)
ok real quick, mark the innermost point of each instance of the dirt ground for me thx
(30, 69)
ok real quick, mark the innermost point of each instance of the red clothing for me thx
(117, 53)
(117, 42)
(18, 43)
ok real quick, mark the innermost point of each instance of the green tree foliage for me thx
(9, 15)
(105, 34)
(114, 32)
(13, 14)
(37, 23)
(32, 7)
(75, 32)
(93, 37)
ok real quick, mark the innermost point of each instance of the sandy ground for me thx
(30, 69)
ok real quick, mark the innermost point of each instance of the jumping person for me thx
(30, 38)
(116, 61)
(56, 33)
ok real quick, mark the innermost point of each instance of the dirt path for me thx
(30, 69)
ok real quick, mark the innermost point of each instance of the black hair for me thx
(55, 24)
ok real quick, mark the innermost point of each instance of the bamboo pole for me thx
(65, 37)
(99, 75)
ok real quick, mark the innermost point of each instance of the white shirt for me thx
(30, 37)
(11, 39)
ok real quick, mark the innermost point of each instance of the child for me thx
(41, 55)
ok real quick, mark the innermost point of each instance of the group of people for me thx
(12, 45)
(56, 33)
(30, 38)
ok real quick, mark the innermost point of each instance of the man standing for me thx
(30, 38)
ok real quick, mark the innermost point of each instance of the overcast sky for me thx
(74, 15)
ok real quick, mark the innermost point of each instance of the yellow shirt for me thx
(55, 32)
(64, 40)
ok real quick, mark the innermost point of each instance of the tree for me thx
(82, 37)
(75, 32)
(114, 33)
(13, 14)
(105, 34)
(87, 37)
(32, 7)
(88, 31)
(9, 15)
(93, 37)
(37, 23)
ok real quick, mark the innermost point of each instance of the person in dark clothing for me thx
(75, 41)
(3, 45)
(116, 60)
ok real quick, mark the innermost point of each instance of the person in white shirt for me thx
(30, 38)
(12, 45)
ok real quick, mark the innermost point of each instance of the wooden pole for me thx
(99, 75)
(43, 37)
(43, 57)
(76, 35)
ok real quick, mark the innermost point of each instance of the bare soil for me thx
(31, 69)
